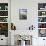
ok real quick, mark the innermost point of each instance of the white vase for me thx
(22, 43)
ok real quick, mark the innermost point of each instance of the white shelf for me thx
(41, 22)
(3, 16)
(41, 10)
(3, 22)
(3, 10)
(42, 16)
(41, 28)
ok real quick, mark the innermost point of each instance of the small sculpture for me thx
(13, 27)
(31, 27)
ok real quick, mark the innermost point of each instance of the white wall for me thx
(31, 13)
(32, 7)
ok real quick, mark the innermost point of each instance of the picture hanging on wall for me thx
(23, 14)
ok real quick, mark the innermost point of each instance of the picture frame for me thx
(23, 14)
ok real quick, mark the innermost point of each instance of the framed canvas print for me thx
(23, 14)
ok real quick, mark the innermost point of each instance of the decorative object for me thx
(42, 25)
(43, 13)
(22, 43)
(13, 27)
(31, 27)
(3, 19)
(0, 7)
(3, 6)
(42, 32)
(6, 7)
(3, 13)
(23, 40)
(4, 29)
(41, 19)
(22, 14)
(41, 6)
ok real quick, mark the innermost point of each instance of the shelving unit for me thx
(42, 19)
(41, 10)
(4, 19)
